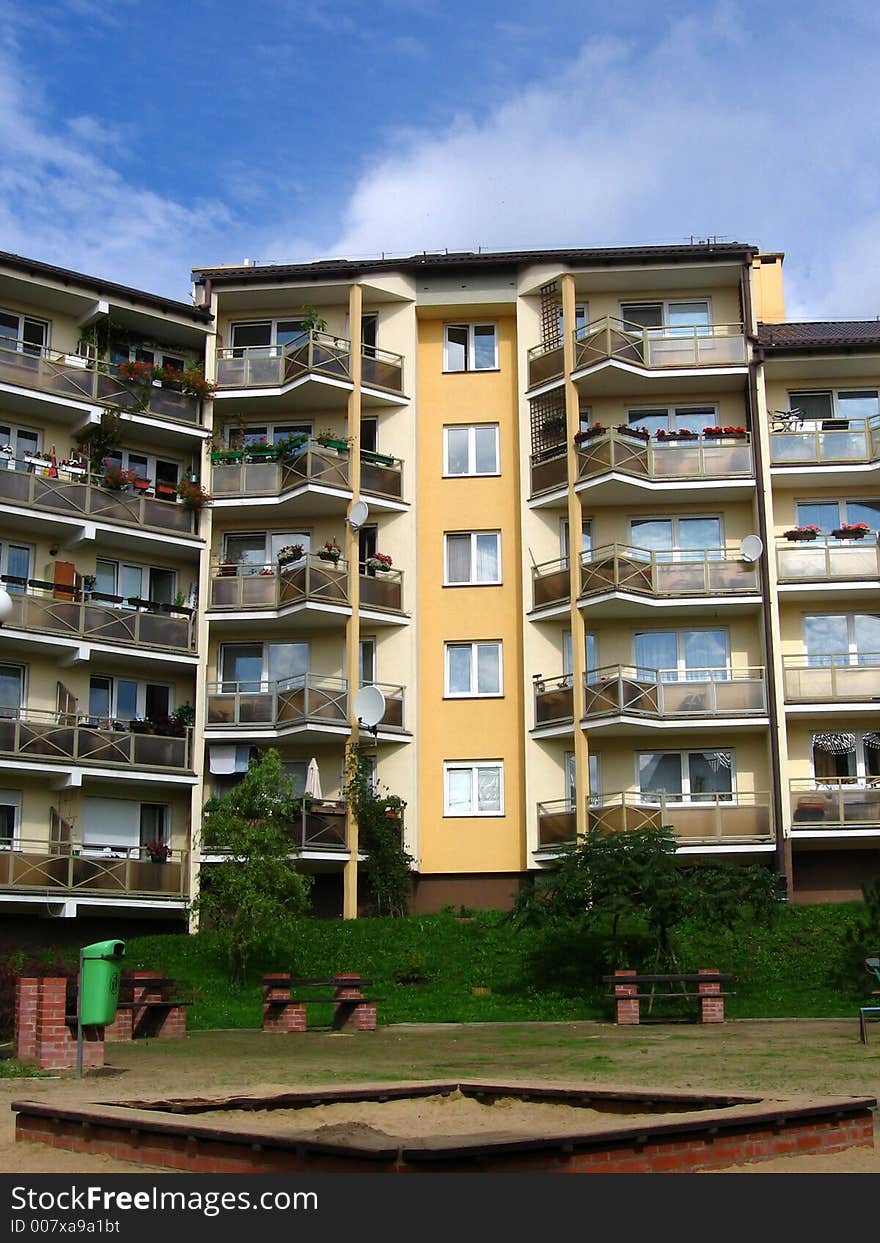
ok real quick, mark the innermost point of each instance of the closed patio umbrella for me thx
(313, 780)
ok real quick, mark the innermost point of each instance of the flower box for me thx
(640, 433)
(380, 562)
(330, 442)
(732, 433)
(801, 534)
(589, 433)
(219, 456)
(684, 434)
(857, 531)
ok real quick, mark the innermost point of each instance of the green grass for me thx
(784, 971)
(22, 1070)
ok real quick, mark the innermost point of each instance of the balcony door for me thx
(677, 539)
(846, 756)
(686, 776)
(253, 667)
(842, 639)
(682, 655)
(12, 678)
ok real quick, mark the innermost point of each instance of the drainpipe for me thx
(783, 845)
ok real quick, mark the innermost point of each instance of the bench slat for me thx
(714, 978)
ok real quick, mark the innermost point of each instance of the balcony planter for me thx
(261, 453)
(379, 562)
(640, 433)
(853, 532)
(728, 433)
(380, 459)
(589, 433)
(218, 456)
(674, 437)
(331, 442)
(330, 552)
(141, 727)
(166, 491)
(227, 569)
(290, 553)
(141, 485)
(801, 534)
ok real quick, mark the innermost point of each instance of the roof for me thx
(714, 252)
(820, 335)
(33, 267)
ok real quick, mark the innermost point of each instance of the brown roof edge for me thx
(601, 257)
(34, 267)
(820, 335)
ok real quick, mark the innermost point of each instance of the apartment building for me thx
(599, 525)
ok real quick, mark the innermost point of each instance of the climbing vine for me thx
(380, 837)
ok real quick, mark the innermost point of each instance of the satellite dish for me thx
(359, 513)
(369, 706)
(751, 547)
(5, 606)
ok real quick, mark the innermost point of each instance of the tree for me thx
(253, 897)
(380, 836)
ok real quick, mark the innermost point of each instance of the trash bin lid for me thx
(104, 949)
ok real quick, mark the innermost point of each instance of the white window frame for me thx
(471, 472)
(793, 396)
(272, 348)
(681, 669)
(470, 349)
(266, 682)
(471, 582)
(304, 427)
(665, 304)
(124, 564)
(687, 796)
(860, 780)
(852, 652)
(633, 413)
(473, 766)
(23, 696)
(295, 537)
(5, 545)
(12, 798)
(124, 456)
(474, 645)
(140, 683)
(21, 346)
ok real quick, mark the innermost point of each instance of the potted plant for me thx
(157, 850)
(332, 440)
(261, 451)
(192, 495)
(88, 583)
(683, 433)
(291, 446)
(117, 479)
(803, 533)
(185, 715)
(379, 561)
(587, 433)
(851, 530)
(289, 553)
(141, 725)
(735, 433)
(330, 551)
(625, 429)
(192, 382)
(135, 371)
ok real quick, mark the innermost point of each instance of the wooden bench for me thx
(700, 993)
(284, 1012)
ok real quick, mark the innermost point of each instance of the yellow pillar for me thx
(575, 523)
(353, 629)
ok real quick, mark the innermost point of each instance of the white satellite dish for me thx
(5, 606)
(359, 513)
(369, 706)
(751, 547)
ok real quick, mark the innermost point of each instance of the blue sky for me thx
(140, 139)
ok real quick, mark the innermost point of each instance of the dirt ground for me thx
(771, 1057)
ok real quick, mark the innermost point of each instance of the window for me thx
(571, 783)
(23, 333)
(835, 405)
(268, 336)
(255, 666)
(470, 347)
(155, 357)
(123, 699)
(154, 823)
(676, 537)
(674, 418)
(471, 450)
(11, 690)
(255, 552)
(586, 538)
(122, 826)
(369, 334)
(829, 515)
(135, 582)
(591, 656)
(682, 655)
(473, 788)
(370, 435)
(851, 756)
(842, 639)
(581, 314)
(668, 319)
(241, 437)
(15, 566)
(686, 776)
(367, 662)
(473, 669)
(157, 470)
(22, 440)
(10, 818)
(473, 558)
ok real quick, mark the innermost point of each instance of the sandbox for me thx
(472, 1126)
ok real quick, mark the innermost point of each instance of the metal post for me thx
(79, 1029)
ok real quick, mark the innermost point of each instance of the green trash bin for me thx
(100, 969)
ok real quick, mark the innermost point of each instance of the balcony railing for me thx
(698, 345)
(671, 693)
(69, 870)
(835, 676)
(312, 353)
(241, 474)
(545, 363)
(714, 819)
(647, 572)
(84, 379)
(47, 609)
(273, 586)
(79, 494)
(65, 739)
(292, 701)
(381, 590)
(833, 560)
(834, 805)
(704, 457)
(827, 442)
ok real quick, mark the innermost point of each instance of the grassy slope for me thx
(786, 971)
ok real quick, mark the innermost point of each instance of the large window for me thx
(830, 515)
(471, 450)
(842, 638)
(121, 826)
(564, 542)
(581, 318)
(15, 565)
(271, 433)
(10, 818)
(678, 655)
(674, 538)
(22, 333)
(161, 472)
(470, 347)
(473, 557)
(135, 582)
(124, 699)
(673, 418)
(266, 336)
(155, 357)
(686, 776)
(669, 319)
(833, 409)
(473, 669)
(571, 783)
(259, 550)
(591, 656)
(473, 788)
(255, 666)
(21, 440)
(844, 755)
(12, 679)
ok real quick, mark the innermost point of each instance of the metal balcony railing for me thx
(832, 676)
(240, 474)
(310, 353)
(673, 693)
(827, 559)
(67, 738)
(827, 442)
(276, 586)
(702, 457)
(834, 804)
(83, 378)
(76, 492)
(32, 865)
(684, 346)
(713, 819)
(292, 701)
(49, 609)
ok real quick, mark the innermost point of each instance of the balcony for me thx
(827, 560)
(659, 695)
(833, 806)
(317, 356)
(545, 363)
(292, 703)
(826, 442)
(65, 871)
(275, 587)
(707, 819)
(653, 349)
(76, 493)
(48, 610)
(831, 678)
(79, 379)
(237, 473)
(655, 576)
(64, 739)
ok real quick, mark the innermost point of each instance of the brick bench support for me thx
(626, 1002)
(711, 1003)
(42, 1034)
